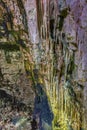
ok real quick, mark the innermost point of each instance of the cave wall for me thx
(13, 76)
(51, 35)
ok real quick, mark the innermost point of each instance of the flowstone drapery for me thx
(50, 39)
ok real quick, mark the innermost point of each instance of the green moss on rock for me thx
(9, 47)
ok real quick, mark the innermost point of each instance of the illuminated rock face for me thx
(52, 36)
(64, 37)
(31, 12)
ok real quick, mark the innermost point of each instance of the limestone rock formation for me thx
(43, 64)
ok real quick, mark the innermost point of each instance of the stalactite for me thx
(53, 57)
(59, 97)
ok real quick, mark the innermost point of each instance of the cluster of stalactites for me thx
(57, 66)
